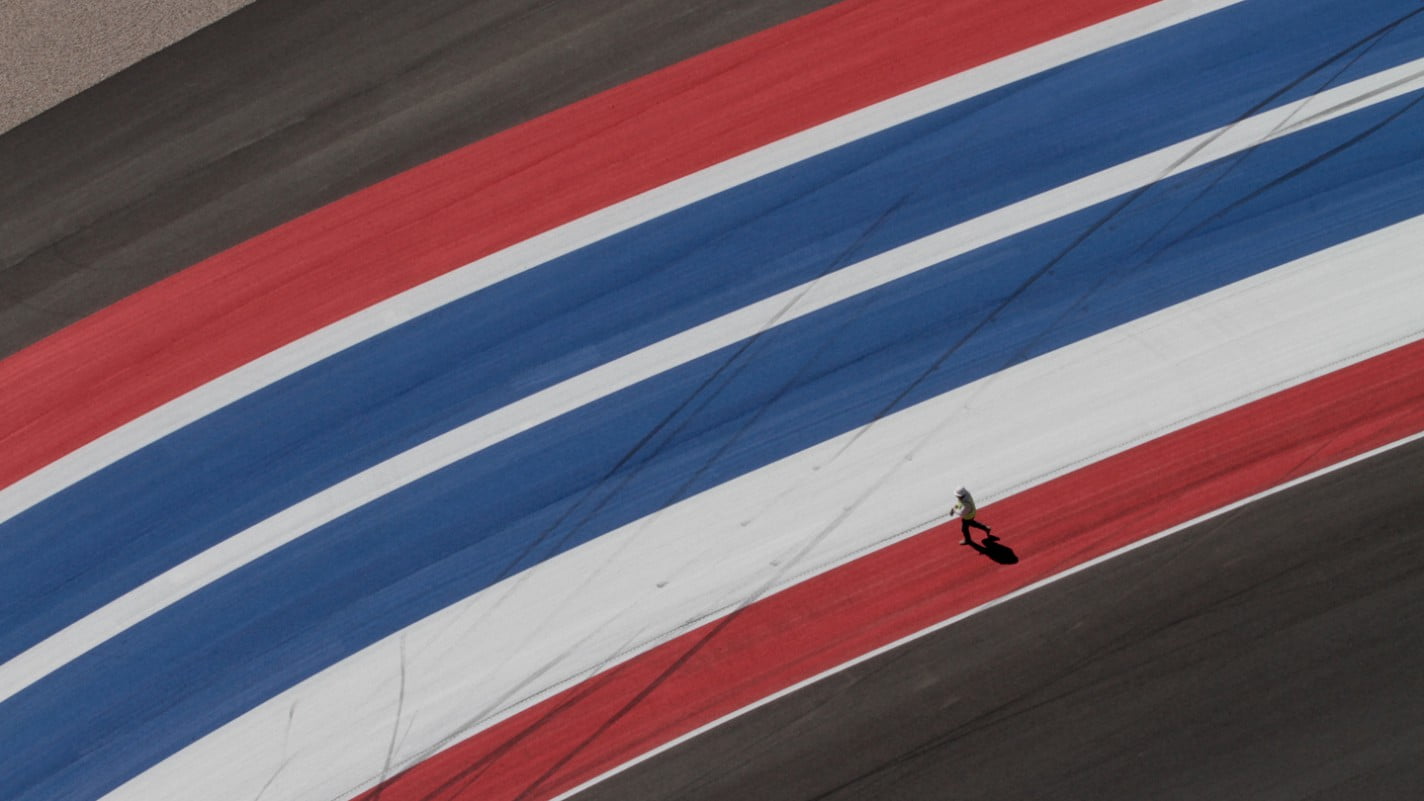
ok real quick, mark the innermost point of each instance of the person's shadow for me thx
(995, 550)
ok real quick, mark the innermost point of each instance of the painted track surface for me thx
(1270, 654)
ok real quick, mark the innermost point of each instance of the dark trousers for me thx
(965, 524)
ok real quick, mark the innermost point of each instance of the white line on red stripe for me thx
(1019, 593)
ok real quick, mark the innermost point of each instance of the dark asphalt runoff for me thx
(1275, 653)
(286, 106)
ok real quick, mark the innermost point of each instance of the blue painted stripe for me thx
(260, 630)
(126, 524)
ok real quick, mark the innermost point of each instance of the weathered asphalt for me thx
(282, 107)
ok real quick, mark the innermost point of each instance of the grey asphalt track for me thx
(285, 106)
(1275, 653)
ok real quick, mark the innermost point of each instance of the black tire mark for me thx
(1365, 45)
(701, 395)
(1128, 200)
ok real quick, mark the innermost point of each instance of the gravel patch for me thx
(51, 50)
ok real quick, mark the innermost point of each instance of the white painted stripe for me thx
(541, 407)
(1003, 599)
(498, 652)
(526, 255)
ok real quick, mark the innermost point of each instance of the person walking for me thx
(965, 508)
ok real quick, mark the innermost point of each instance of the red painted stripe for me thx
(880, 598)
(205, 321)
